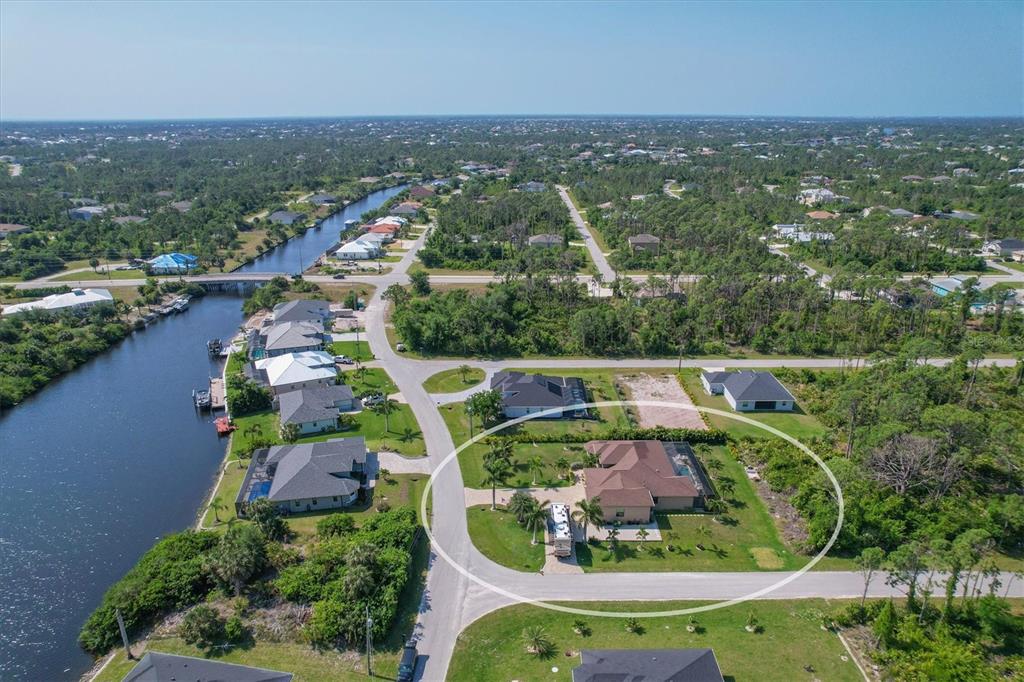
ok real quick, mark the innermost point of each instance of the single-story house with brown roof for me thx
(644, 242)
(638, 477)
(12, 228)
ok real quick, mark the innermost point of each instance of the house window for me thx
(335, 498)
(296, 503)
(314, 500)
(619, 513)
(655, 500)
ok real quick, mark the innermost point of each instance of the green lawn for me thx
(492, 648)
(450, 380)
(798, 424)
(90, 275)
(500, 538)
(360, 351)
(369, 380)
(401, 490)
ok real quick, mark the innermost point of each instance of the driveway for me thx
(569, 495)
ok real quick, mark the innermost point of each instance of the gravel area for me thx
(666, 388)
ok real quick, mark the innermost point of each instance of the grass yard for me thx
(451, 380)
(369, 380)
(400, 490)
(357, 351)
(798, 424)
(747, 542)
(90, 275)
(500, 538)
(791, 638)
(471, 464)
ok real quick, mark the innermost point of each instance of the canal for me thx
(298, 254)
(101, 463)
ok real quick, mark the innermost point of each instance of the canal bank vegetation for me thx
(36, 347)
(281, 289)
(262, 595)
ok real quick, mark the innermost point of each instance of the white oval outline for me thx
(638, 614)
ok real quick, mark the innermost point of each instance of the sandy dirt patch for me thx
(666, 388)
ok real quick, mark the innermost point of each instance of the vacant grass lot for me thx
(797, 424)
(356, 350)
(791, 640)
(369, 380)
(501, 539)
(451, 380)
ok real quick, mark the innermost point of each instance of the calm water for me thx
(298, 254)
(103, 462)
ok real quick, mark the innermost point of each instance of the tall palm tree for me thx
(536, 464)
(563, 465)
(385, 407)
(496, 472)
(519, 504)
(588, 512)
(642, 535)
(464, 372)
(217, 504)
(536, 518)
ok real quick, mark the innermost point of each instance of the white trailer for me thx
(560, 529)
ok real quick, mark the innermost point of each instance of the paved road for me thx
(588, 239)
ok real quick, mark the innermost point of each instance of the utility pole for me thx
(369, 642)
(124, 635)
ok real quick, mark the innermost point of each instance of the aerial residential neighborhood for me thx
(502, 342)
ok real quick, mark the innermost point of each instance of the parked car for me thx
(372, 399)
(339, 276)
(400, 347)
(407, 665)
(343, 360)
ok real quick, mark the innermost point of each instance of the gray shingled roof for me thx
(315, 469)
(647, 665)
(312, 404)
(750, 385)
(538, 390)
(644, 239)
(295, 334)
(157, 667)
(303, 309)
(284, 217)
(1010, 243)
(547, 240)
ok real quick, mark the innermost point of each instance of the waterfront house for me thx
(10, 229)
(76, 299)
(302, 310)
(748, 390)
(523, 394)
(636, 478)
(420, 192)
(289, 337)
(646, 243)
(323, 200)
(172, 264)
(547, 241)
(286, 217)
(306, 476)
(405, 208)
(315, 410)
(158, 667)
(293, 371)
(386, 230)
(647, 665)
(354, 251)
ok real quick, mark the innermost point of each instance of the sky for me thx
(137, 60)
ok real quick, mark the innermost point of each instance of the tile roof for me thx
(631, 466)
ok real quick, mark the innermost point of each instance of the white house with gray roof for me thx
(306, 476)
(315, 410)
(747, 390)
(523, 394)
(301, 310)
(293, 371)
(291, 337)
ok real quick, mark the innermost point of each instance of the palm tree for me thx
(519, 504)
(385, 474)
(464, 371)
(642, 535)
(536, 465)
(565, 466)
(385, 407)
(613, 533)
(536, 517)
(290, 432)
(496, 472)
(537, 642)
(588, 512)
(217, 504)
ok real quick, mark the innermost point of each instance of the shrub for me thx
(202, 627)
(335, 525)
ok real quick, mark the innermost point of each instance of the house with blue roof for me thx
(173, 263)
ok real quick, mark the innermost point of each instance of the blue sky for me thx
(75, 60)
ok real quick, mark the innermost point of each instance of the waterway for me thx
(101, 463)
(298, 254)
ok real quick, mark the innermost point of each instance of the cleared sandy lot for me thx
(663, 387)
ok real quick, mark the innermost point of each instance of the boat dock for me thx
(217, 394)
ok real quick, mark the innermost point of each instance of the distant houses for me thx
(820, 195)
(644, 243)
(406, 208)
(76, 299)
(323, 200)
(11, 229)
(86, 213)
(306, 477)
(547, 241)
(532, 186)
(748, 390)
(172, 264)
(1002, 247)
(420, 192)
(523, 394)
(796, 232)
(286, 217)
